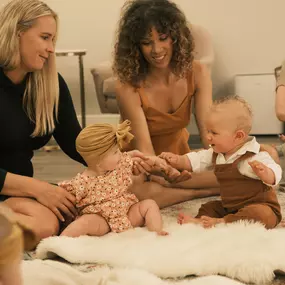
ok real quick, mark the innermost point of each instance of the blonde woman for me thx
(35, 105)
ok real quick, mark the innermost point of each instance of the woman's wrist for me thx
(17, 185)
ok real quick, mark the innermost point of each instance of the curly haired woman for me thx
(158, 79)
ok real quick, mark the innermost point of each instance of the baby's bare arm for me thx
(265, 173)
(180, 162)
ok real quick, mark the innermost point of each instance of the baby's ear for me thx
(240, 134)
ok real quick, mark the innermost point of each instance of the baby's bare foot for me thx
(186, 219)
(209, 222)
(162, 233)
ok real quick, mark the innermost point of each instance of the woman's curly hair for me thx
(138, 17)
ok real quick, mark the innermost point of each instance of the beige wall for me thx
(247, 34)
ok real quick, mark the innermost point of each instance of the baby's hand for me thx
(171, 174)
(175, 176)
(138, 159)
(263, 172)
(173, 159)
(136, 154)
(257, 167)
(156, 163)
(176, 161)
(148, 164)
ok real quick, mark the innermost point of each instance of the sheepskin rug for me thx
(38, 272)
(244, 251)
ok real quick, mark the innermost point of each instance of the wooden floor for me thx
(54, 166)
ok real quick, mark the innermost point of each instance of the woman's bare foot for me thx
(208, 222)
(162, 233)
(186, 219)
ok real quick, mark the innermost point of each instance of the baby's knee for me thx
(44, 225)
(46, 229)
(148, 204)
(93, 224)
(263, 214)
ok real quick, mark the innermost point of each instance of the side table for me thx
(80, 54)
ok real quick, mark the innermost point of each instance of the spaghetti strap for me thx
(143, 98)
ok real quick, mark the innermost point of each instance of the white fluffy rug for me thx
(244, 251)
(40, 272)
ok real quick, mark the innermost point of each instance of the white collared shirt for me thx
(202, 160)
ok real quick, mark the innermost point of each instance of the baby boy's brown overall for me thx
(242, 198)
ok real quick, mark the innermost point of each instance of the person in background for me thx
(280, 113)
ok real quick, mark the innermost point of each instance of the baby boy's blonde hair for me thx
(236, 110)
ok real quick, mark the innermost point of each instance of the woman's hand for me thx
(173, 175)
(136, 154)
(58, 200)
(167, 182)
(183, 176)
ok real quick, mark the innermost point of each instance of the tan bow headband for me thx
(97, 139)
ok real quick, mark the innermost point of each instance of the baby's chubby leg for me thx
(88, 224)
(146, 213)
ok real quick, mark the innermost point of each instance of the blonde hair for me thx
(243, 113)
(42, 91)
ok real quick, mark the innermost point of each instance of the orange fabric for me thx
(168, 131)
